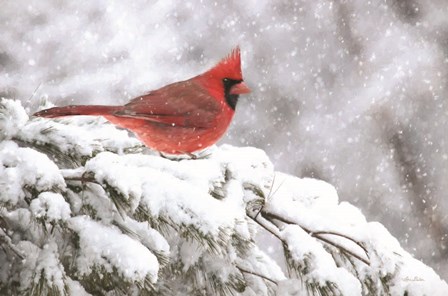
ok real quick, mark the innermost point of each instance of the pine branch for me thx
(263, 223)
(318, 235)
(82, 179)
(68, 160)
(243, 270)
(184, 241)
(6, 243)
(162, 258)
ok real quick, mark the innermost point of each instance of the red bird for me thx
(179, 118)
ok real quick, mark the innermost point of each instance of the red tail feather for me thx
(78, 110)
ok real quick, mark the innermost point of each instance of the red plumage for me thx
(182, 117)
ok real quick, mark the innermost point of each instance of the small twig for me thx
(272, 185)
(82, 179)
(264, 226)
(257, 274)
(35, 91)
(319, 233)
(319, 236)
(5, 238)
(258, 212)
(271, 194)
(367, 262)
(284, 220)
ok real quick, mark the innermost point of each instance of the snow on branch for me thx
(85, 209)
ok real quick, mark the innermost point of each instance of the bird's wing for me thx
(184, 103)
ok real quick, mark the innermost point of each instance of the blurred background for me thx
(351, 92)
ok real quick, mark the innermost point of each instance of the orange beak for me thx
(240, 88)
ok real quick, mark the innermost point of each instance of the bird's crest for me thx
(229, 67)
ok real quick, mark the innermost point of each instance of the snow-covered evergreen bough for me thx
(87, 210)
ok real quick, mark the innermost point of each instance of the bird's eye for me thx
(225, 80)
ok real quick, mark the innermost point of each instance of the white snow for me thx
(22, 167)
(75, 141)
(51, 206)
(301, 199)
(75, 288)
(105, 246)
(149, 237)
(314, 206)
(12, 118)
(49, 265)
(320, 264)
(144, 179)
(41, 264)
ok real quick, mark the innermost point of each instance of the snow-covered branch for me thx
(85, 209)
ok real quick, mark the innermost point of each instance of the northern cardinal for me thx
(179, 118)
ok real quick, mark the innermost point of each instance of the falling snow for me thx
(351, 92)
